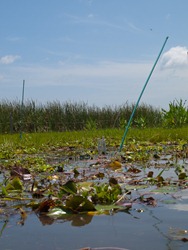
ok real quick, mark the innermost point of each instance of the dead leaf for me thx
(45, 206)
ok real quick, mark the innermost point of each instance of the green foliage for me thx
(14, 185)
(92, 185)
(176, 116)
(79, 204)
(90, 124)
(68, 188)
(105, 193)
(140, 122)
(56, 116)
(61, 117)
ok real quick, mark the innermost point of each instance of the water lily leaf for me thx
(69, 187)
(115, 164)
(182, 176)
(165, 189)
(102, 208)
(14, 184)
(79, 204)
(136, 187)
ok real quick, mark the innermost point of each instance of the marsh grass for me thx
(56, 116)
(88, 140)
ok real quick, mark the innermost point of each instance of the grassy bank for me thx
(36, 142)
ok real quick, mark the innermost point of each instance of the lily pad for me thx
(79, 204)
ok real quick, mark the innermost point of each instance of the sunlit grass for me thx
(88, 139)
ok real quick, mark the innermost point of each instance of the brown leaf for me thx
(22, 173)
(184, 239)
(134, 170)
(149, 200)
(150, 174)
(45, 206)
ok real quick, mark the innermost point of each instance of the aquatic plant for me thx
(176, 116)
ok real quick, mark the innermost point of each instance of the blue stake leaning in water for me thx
(135, 107)
(21, 109)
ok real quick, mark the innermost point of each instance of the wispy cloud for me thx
(88, 2)
(167, 17)
(90, 15)
(105, 82)
(95, 20)
(14, 39)
(133, 27)
(176, 57)
(8, 59)
(102, 74)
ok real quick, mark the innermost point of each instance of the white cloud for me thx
(176, 57)
(102, 83)
(8, 59)
(103, 75)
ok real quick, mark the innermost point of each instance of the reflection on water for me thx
(149, 229)
(77, 220)
(180, 207)
(141, 227)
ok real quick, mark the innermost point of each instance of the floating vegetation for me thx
(62, 184)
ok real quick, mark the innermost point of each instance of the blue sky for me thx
(95, 51)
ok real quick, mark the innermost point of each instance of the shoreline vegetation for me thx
(89, 139)
(83, 125)
(64, 171)
(68, 116)
(60, 117)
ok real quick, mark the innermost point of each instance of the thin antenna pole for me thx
(135, 107)
(21, 109)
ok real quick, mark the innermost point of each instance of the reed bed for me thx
(56, 116)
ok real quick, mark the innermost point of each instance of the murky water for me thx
(161, 227)
(142, 227)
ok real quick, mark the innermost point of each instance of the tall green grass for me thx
(56, 116)
(89, 139)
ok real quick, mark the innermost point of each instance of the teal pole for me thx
(21, 109)
(135, 107)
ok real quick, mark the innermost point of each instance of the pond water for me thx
(142, 227)
(161, 227)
